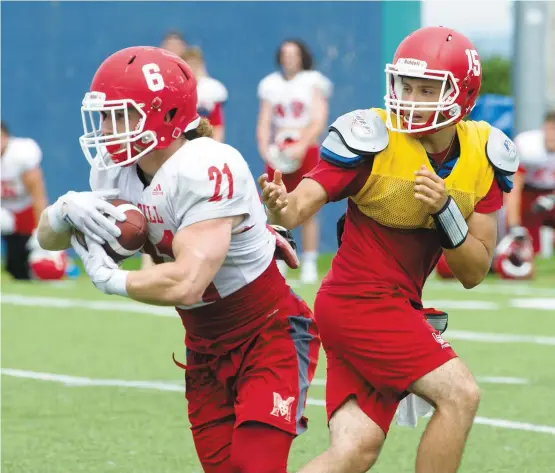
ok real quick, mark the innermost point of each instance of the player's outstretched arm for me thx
(471, 261)
(291, 209)
(199, 250)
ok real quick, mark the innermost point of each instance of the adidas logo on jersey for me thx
(158, 190)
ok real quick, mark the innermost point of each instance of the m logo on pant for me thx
(282, 407)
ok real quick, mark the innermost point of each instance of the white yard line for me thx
(497, 337)
(538, 304)
(135, 307)
(508, 288)
(76, 381)
(104, 306)
(480, 379)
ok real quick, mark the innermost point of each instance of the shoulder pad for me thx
(354, 137)
(501, 152)
(503, 157)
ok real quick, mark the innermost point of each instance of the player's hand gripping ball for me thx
(134, 232)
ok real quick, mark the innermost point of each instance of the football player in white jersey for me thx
(23, 199)
(293, 114)
(531, 204)
(252, 344)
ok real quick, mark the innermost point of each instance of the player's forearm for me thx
(263, 138)
(39, 205)
(513, 209)
(167, 284)
(218, 133)
(48, 237)
(318, 124)
(290, 217)
(470, 262)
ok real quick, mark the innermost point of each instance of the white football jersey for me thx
(536, 160)
(203, 180)
(21, 155)
(210, 92)
(292, 99)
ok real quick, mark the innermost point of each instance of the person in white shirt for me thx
(23, 199)
(293, 114)
(212, 94)
(531, 204)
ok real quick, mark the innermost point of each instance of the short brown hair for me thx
(550, 116)
(193, 52)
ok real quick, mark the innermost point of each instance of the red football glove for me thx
(285, 246)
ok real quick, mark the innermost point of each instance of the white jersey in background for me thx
(203, 180)
(210, 92)
(292, 99)
(537, 163)
(21, 155)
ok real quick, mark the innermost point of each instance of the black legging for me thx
(17, 256)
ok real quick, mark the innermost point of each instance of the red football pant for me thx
(263, 382)
(376, 348)
(533, 222)
(292, 180)
(250, 448)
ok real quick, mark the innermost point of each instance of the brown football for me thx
(134, 232)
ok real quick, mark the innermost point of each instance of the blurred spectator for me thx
(23, 199)
(174, 42)
(531, 204)
(293, 113)
(212, 94)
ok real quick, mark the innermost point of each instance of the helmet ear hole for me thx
(170, 115)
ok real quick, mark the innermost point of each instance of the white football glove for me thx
(103, 271)
(85, 212)
(7, 222)
(33, 242)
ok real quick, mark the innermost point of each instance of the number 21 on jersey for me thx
(215, 175)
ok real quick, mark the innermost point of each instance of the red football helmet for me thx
(48, 265)
(159, 85)
(514, 256)
(435, 53)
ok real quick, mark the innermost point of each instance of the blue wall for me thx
(50, 51)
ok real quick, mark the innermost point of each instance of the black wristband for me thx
(450, 225)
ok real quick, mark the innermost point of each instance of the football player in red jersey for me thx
(419, 181)
(252, 344)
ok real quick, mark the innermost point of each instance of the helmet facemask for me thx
(121, 147)
(445, 110)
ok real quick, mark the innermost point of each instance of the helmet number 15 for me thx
(154, 79)
(473, 61)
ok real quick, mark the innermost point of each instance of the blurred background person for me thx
(212, 94)
(175, 42)
(23, 199)
(292, 115)
(531, 204)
